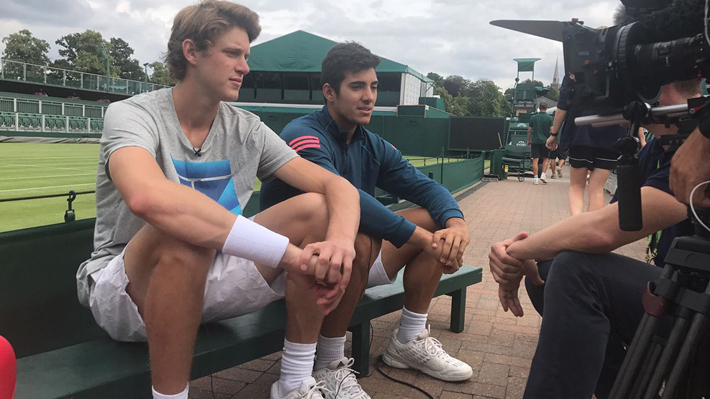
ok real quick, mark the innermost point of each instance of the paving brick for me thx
(497, 345)
(218, 385)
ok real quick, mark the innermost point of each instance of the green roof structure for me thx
(301, 51)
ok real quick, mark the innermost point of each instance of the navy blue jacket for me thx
(367, 162)
(655, 163)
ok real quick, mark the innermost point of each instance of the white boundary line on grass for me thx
(2, 179)
(41, 166)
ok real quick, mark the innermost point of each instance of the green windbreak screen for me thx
(526, 64)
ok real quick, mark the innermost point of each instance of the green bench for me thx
(63, 354)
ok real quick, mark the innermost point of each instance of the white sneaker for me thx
(536, 181)
(340, 381)
(309, 389)
(543, 178)
(559, 172)
(426, 355)
(553, 176)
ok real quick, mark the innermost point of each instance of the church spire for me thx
(556, 76)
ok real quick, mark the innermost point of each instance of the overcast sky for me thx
(449, 37)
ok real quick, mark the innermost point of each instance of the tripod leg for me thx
(647, 369)
(690, 344)
(655, 308)
(676, 339)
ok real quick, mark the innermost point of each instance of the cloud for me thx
(450, 37)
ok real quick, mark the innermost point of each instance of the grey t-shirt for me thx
(239, 147)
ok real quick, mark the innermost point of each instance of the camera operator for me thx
(592, 298)
(690, 167)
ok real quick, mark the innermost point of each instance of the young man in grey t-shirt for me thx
(171, 247)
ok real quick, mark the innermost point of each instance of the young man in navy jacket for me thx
(426, 242)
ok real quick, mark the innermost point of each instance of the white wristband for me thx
(252, 241)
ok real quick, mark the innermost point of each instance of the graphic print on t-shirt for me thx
(214, 179)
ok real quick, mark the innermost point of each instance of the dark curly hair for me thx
(345, 58)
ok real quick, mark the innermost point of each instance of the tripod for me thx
(681, 294)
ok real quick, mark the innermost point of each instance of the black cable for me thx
(44, 196)
(377, 367)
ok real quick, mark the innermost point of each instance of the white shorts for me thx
(378, 275)
(234, 287)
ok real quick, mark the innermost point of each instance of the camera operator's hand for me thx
(551, 143)
(504, 267)
(691, 166)
(508, 293)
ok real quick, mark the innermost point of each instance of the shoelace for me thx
(347, 381)
(316, 389)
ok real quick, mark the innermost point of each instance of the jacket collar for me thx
(332, 127)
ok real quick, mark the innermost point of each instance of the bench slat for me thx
(108, 369)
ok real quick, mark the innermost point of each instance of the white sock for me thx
(410, 325)
(296, 365)
(329, 349)
(181, 395)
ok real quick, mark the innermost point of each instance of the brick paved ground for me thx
(497, 345)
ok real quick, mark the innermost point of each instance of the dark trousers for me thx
(591, 306)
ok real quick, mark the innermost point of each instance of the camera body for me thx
(612, 67)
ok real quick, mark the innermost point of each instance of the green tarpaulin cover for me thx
(303, 52)
(526, 64)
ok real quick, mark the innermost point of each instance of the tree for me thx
(486, 99)
(553, 94)
(438, 79)
(85, 52)
(121, 53)
(161, 74)
(456, 85)
(24, 47)
(536, 83)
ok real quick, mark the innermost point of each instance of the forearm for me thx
(529, 134)
(379, 222)
(564, 235)
(183, 213)
(560, 115)
(343, 202)
(598, 231)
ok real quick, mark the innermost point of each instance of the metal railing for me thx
(26, 122)
(43, 74)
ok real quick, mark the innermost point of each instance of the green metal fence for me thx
(22, 71)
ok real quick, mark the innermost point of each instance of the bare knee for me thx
(421, 217)
(366, 250)
(151, 249)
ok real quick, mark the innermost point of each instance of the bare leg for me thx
(535, 166)
(544, 165)
(597, 180)
(422, 274)
(167, 283)
(336, 323)
(577, 185)
(172, 293)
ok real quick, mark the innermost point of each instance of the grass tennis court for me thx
(30, 169)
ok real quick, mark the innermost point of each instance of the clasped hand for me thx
(508, 271)
(324, 268)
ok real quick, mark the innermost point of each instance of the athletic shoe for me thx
(559, 172)
(553, 176)
(340, 381)
(536, 181)
(426, 355)
(543, 178)
(309, 389)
